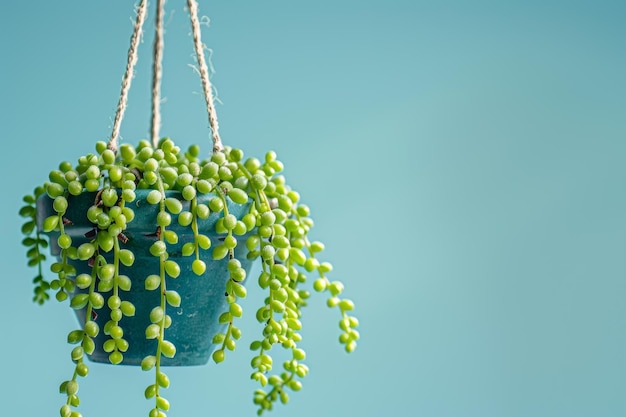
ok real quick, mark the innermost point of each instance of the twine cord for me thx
(204, 75)
(128, 74)
(157, 72)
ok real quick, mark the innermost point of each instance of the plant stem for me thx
(162, 292)
(194, 226)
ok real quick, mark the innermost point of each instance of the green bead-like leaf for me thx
(216, 204)
(236, 310)
(66, 411)
(202, 211)
(268, 252)
(297, 255)
(28, 227)
(173, 205)
(173, 298)
(238, 196)
(77, 353)
(109, 345)
(154, 197)
(127, 152)
(121, 345)
(189, 192)
(60, 204)
(91, 328)
(171, 237)
(225, 318)
(71, 388)
(114, 302)
(150, 391)
(259, 182)
(220, 252)
(239, 290)
(156, 314)
(162, 403)
(209, 170)
(164, 219)
(54, 190)
(88, 345)
(153, 331)
(127, 308)
(50, 223)
(203, 186)
(83, 281)
(148, 363)
(218, 356)
(294, 324)
(204, 242)
(123, 282)
(185, 218)
(335, 288)
(319, 284)
(152, 282)
(86, 251)
(75, 336)
(109, 197)
(126, 257)
(168, 349)
(163, 380)
(198, 267)
(96, 300)
(79, 301)
(172, 268)
(158, 248)
(106, 272)
(27, 211)
(188, 249)
(346, 305)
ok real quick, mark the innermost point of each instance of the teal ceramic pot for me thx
(195, 322)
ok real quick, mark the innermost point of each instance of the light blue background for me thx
(464, 161)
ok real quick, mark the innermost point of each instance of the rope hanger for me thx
(192, 6)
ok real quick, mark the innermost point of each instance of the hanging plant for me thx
(147, 237)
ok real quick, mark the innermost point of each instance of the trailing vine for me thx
(35, 245)
(274, 230)
(159, 318)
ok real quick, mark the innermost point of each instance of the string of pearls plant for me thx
(275, 230)
(208, 217)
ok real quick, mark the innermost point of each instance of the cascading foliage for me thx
(275, 230)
